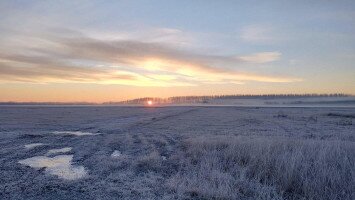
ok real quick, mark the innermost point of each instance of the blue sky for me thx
(128, 49)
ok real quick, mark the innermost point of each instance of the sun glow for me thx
(153, 64)
(150, 103)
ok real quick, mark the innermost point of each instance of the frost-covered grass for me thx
(262, 168)
(177, 153)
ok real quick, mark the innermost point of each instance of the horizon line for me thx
(182, 96)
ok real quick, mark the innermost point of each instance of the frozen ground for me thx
(176, 153)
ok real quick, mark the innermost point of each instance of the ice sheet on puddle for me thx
(33, 145)
(62, 150)
(116, 154)
(60, 166)
(76, 133)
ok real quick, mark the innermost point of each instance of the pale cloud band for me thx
(263, 57)
(79, 58)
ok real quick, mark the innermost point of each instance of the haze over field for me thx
(97, 51)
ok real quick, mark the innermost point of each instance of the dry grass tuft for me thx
(261, 168)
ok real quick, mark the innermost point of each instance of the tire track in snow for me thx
(153, 119)
(145, 141)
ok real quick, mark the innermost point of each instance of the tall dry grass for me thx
(265, 168)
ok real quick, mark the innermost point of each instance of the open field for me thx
(220, 152)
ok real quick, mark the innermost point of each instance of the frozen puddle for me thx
(62, 150)
(116, 154)
(60, 166)
(33, 145)
(76, 133)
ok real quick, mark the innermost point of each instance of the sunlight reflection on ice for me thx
(58, 165)
(33, 145)
(77, 133)
(62, 150)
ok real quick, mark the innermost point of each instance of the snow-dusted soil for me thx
(176, 152)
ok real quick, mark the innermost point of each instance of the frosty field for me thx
(217, 152)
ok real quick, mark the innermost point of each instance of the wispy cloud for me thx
(79, 58)
(263, 57)
(257, 34)
(170, 36)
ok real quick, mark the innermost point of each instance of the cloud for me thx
(256, 34)
(170, 36)
(42, 69)
(263, 57)
(74, 57)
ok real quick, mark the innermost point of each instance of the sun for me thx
(150, 102)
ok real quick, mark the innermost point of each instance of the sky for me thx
(97, 51)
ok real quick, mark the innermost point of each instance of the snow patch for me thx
(62, 150)
(33, 145)
(76, 133)
(116, 154)
(60, 166)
